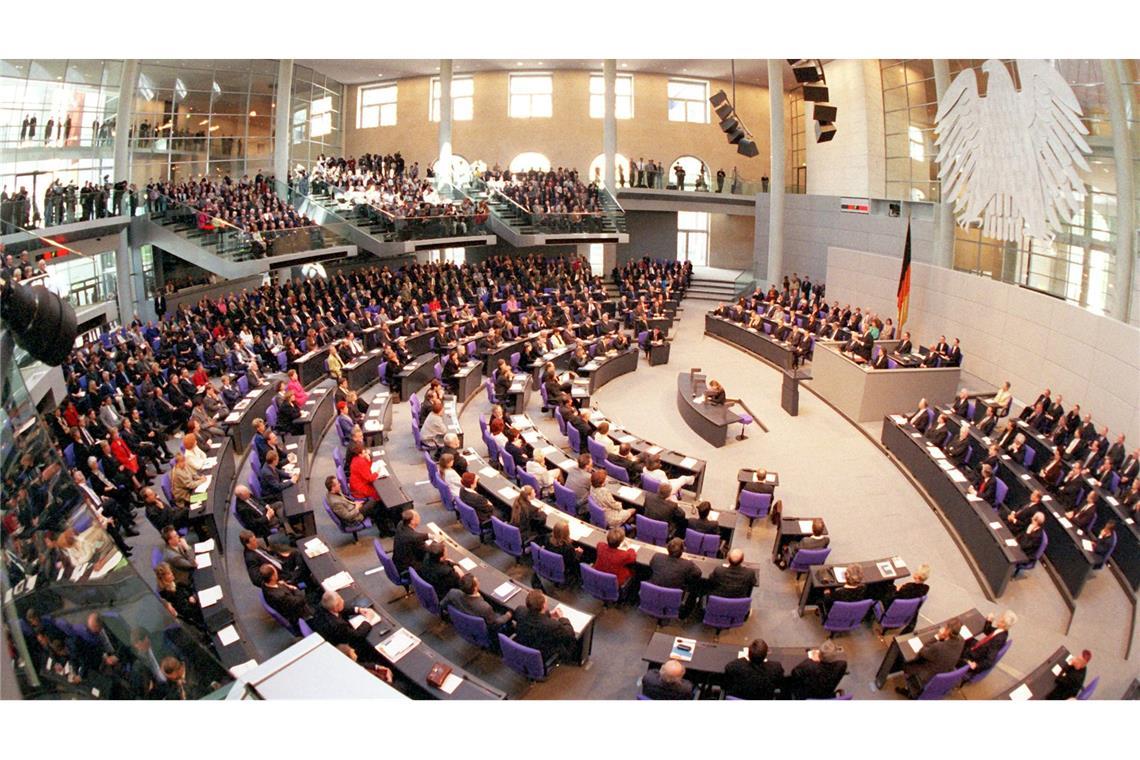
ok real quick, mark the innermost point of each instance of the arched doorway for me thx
(597, 171)
(525, 162)
(695, 170)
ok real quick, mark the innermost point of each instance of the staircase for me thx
(714, 285)
(513, 223)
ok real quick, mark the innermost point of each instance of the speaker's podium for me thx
(709, 421)
(790, 393)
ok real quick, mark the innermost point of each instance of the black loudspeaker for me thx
(824, 112)
(807, 72)
(720, 104)
(747, 148)
(816, 93)
(824, 131)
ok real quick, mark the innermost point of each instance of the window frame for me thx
(600, 96)
(381, 107)
(434, 102)
(530, 96)
(688, 101)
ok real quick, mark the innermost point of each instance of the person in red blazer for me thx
(613, 559)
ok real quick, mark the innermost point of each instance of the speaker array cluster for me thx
(809, 73)
(732, 126)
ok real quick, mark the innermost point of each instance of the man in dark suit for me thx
(252, 514)
(920, 420)
(1071, 485)
(904, 347)
(1030, 541)
(987, 488)
(667, 682)
(409, 544)
(759, 483)
(256, 553)
(548, 632)
(437, 570)
(472, 498)
(818, 676)
(658, 506)
(671, 570)
(334, 622)
(733, 580)
(701, 523)
(817, 540)
(753, 677)
(939, 656)
(287, 599)
(468, 600)
(981, 652)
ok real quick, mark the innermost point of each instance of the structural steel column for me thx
(122, 145)
(776, 172)
(445, 152)
(944, 212)
(1123, 284)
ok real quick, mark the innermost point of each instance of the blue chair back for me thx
(492, 447)
(507, 537)
(560, 420)
(723, 612)
(469, 519)
(899, 614)
(382, 371)
(524, 660)
(943, 683)
(526, 479)
(602, 586)
(1028, 457)
(575, 439)
(271, 416)
(425, 593)
(971, 409)
(490, 391)
(597, 514)
(277, 616)
(446, 498)
(1036, 555)
(705, 544)
(616, 471)
(389, 566)
(155, 557)
(69, 455)
(1001, 491)
(754, 505)
(1087, 692)
(548, 565)
(565, 499)
(416, 435)
(654, 532)
(650, 481)
(661, 603)
(167, 489)
(515, 360)
(977, 675)
(243, 385)
(437, 370)
(508, 463)
(345, 527)
(432, 467)
(597, 452)
(1107, 555)
(483, 427)
(846, 616)
(254, 482)
(470, 628)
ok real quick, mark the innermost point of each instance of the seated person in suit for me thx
(1105, 540)
(905, 346)
(439, 571)
(920, 419)
(451, 446)
(516, 447)
(408, 547)
(667, 682)
(852, 589)
(289, 416)
(1053, 471)
(818, 675)
(602, 437)
(349, 510)
(939, 656)
(623, 457)
(958, 445)
(548, 632)
(611, 558)
(558, 541)
(937, 432)
(986, 489)
(449, 475)
(714, 394)
(1002, 400)
(671, 570)
(1083, 515)
(1030, 540)
(1071, 679)
(274, 480)
(733, 580)
(752, 676)
(287, 599)
(615, 514)
(333, 621)
(961, 406)
(658, 506)
(702, 522)
(525, 516)
(653, 465)
(468, 600)
(915, 588)
(470, 496)
(817, 540)
(284, 559)
(578, 479)
(981, 652)
(252, 514)
(537, 467)
(1018, 520)
(1071, 485)
(987, 424)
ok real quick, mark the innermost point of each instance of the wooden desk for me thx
(1039, 683)
(415, 374)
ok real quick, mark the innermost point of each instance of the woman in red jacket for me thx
(358, 462)
(613, 559)
(122, 453)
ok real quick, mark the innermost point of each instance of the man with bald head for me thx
(668, 682)
(333, 621)
(733, 580)
(254, 516)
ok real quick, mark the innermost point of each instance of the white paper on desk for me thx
(508, 493)
(1056, 670)
(945, 464)
(698, 399)
(956, 475)
(1088, 545)
(688, 463)
(1112, 500)
(375, 413)
(373, 426)
(1011, 542)
(380, 469)
(714, 515)
(397, 645)
(915, 643)
(228, 635)
(567, 464)
(356, 621)
(111, 563)
(233, 417)
(215, 445)
(315, 547)
(578, 619)
(629, 493)
(805, 526)
(202, 561)
(488, 472)
(520, 421)
(580, 392)
(209, 462)
(237, 670)
(973, 497)
(337, 582)
(916, 435)
(1021, 694)
(898, 419)
(451, 683)
(840, 574)
(205, 485)
(886, 570)
(965, 633)
(530, 437)
(204, 546)
(243, 404)
(467, 564)
(995, 525)
(547, 450)
(504, 590)
(1064, 522)
(936, 453)
(1025, 476)
(209, 596)
(290, 446)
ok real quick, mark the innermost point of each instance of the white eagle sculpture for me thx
(1009, 160)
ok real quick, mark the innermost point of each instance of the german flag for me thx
(903, 295)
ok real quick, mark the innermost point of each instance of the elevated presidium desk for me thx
(710, 421)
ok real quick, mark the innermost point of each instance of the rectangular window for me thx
(456, 256)
(689, 101)
(320, 123)
(623, 91)
(376, 106)
(693, 237)
(531, 96)
(462, 99)
(917, 144)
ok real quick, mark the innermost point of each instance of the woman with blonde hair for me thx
(180, 600)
